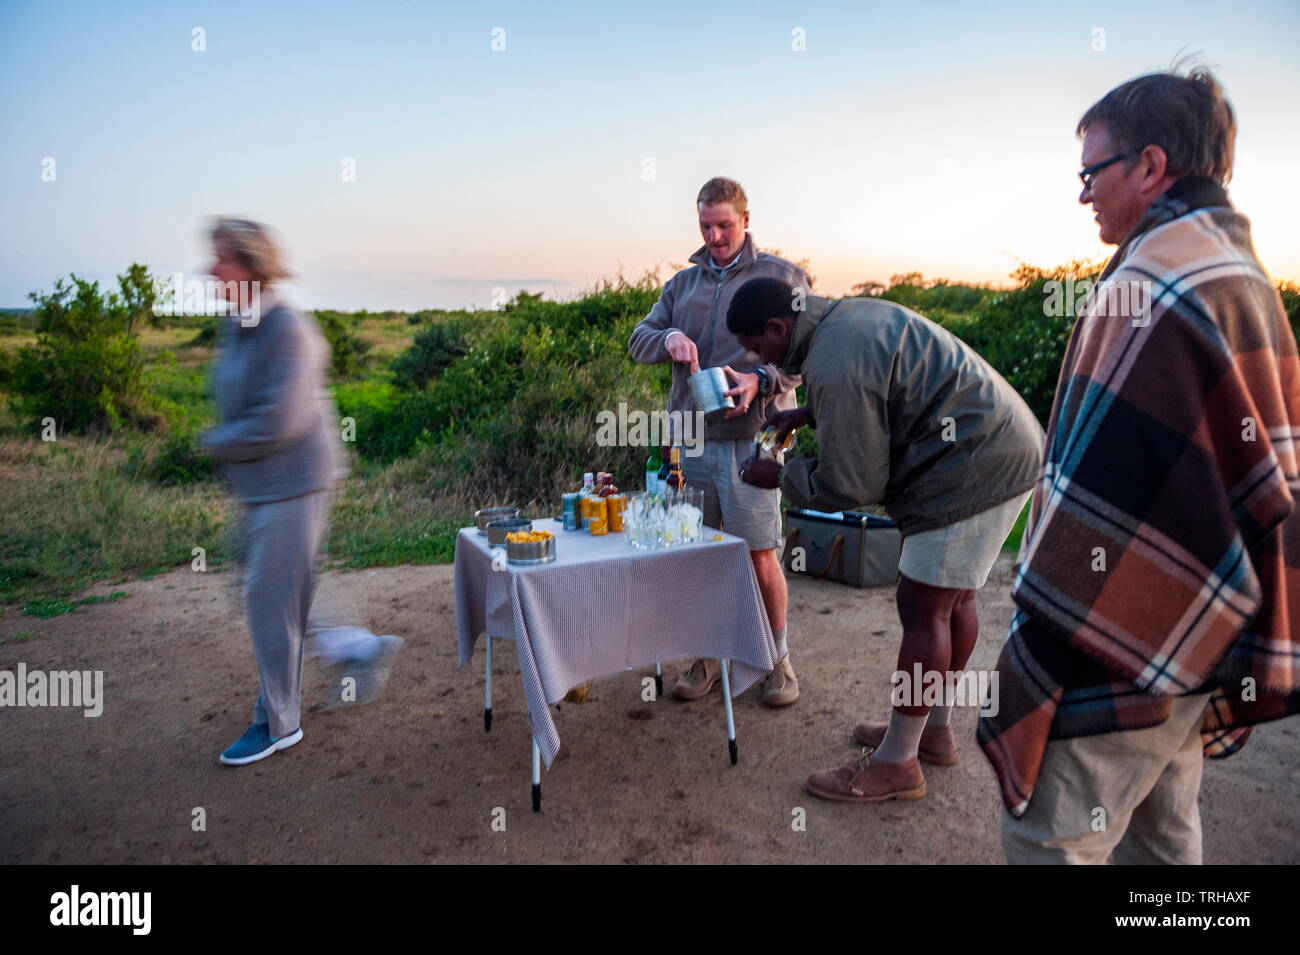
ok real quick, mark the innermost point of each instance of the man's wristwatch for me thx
(764, 383)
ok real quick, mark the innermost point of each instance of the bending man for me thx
(908, 417)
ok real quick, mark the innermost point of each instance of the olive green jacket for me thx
(907, 415)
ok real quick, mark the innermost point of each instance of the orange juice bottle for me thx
(598, 516)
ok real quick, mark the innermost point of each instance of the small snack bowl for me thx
(530, 547)
(497, 530)
(485, 516)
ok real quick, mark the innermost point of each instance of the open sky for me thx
(925, 136)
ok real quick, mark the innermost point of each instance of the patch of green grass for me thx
(387, 335)
(74, 515)
(184, 386)
(357, 397)
(47, 607)
(17, 338)
(19, 637)
(397, 514)
(103, 598)
(176, 335)
(427, 547)
(1018, 529)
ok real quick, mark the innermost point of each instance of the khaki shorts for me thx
(960, 555)
(1128, 797)
(730, 504)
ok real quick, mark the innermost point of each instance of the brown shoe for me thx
(938, 745)
(579, 693)
(696, 682)
(869, 781)
(780, 688)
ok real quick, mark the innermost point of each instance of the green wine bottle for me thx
(652, 466)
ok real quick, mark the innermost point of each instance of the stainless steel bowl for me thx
(709, 389)
(484, 517)
(497, 530)
(541, 552)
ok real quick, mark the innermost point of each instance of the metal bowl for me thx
(541, 552)
(484, 517)
(497, 530)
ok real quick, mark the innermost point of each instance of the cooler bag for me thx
(850, 548)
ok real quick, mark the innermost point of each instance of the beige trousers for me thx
(280, 581)
(1131, 794)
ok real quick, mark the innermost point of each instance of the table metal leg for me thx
(537, 777)
(659, 682)
(487, 693)
(731, 721)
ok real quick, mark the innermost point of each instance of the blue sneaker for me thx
(257, 744)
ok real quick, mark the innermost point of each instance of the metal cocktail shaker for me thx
(709, 390)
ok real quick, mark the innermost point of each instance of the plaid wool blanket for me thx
(1162, 553)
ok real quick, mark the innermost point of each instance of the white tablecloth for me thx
(602, 606)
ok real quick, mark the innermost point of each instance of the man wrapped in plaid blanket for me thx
(1158, 596)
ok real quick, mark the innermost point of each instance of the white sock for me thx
(902, 739)
(939, 715)
(779, 637)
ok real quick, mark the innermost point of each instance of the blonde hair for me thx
(253, 246)
(720, 189)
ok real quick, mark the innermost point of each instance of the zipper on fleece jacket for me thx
(713, 322)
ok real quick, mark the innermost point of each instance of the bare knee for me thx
(921, 605)
(765, 561)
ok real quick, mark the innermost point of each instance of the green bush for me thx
(913, 291)
(1290, 293)
(86, 369)
(176, 461)
(1015, 333)
(348, 350)
(1011, 329)
(510, 398)
(208, 333)
(365, 395)
(349, 353)
(436, 346)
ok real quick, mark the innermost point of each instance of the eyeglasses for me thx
(1088, 173)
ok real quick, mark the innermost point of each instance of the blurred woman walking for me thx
(280, 453)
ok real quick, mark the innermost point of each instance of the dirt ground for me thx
(414, 778)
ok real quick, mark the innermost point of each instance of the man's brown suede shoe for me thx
(869, 781)
(780, 687)
(696, 682)
(938, 745)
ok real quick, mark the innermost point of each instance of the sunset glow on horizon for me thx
(936, 139)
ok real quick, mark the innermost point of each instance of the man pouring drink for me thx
(688, 326)
(909, 417)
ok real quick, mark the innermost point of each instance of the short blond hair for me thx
(252, 244)
(719, 189)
